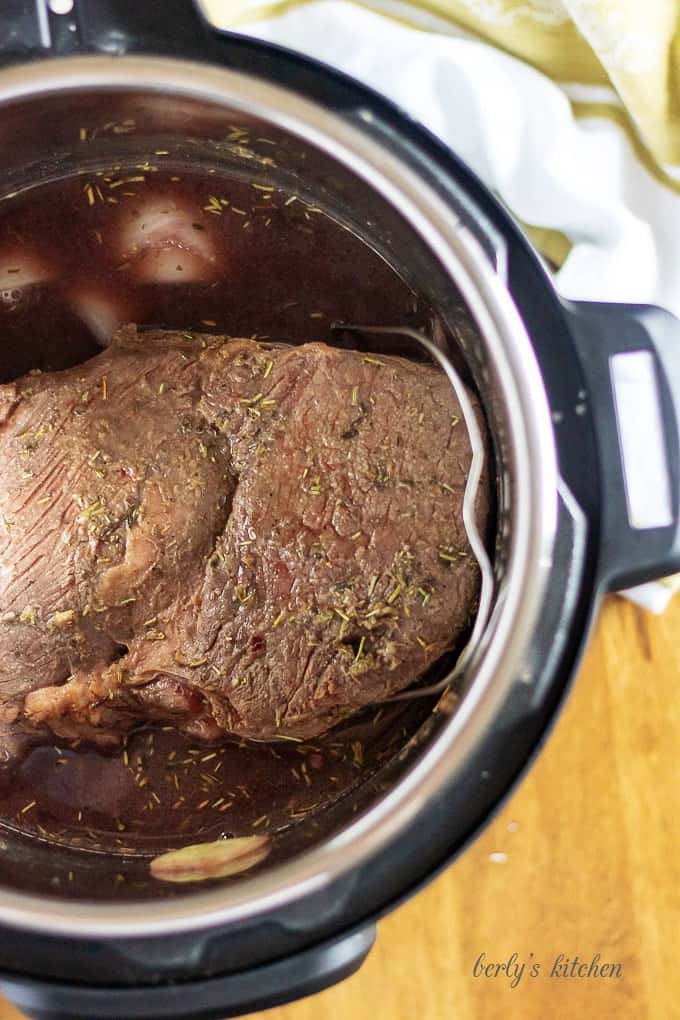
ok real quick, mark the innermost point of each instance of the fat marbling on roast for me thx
(226, 535)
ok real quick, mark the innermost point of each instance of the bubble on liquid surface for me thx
(11, 298)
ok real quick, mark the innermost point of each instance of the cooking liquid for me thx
(230, 258)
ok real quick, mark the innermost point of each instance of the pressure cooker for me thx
(588, 501)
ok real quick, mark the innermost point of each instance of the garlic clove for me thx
(20, 269)
(219, 859)
(168, 242)
(101, 310)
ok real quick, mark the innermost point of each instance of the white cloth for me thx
(516, 129)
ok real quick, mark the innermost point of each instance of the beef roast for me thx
(230, 536)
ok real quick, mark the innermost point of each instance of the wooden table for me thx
(584, 859)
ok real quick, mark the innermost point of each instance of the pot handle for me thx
(630, 355)
(31, 29)
(293, 977)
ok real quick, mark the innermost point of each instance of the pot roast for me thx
(228, 536)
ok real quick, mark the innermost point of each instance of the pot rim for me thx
(533, 465)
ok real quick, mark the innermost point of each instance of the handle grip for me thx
(630, 355)
(303, 973)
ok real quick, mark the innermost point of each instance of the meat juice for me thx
(183, 250)
(165, 250)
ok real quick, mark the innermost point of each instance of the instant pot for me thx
(581, 402)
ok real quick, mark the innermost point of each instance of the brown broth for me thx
(279, 269)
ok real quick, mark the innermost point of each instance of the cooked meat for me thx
(229, 536)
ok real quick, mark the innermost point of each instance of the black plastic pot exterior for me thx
(298, 950)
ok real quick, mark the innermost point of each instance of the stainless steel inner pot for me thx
(139, 105)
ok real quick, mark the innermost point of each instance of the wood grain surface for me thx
(584, 859)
